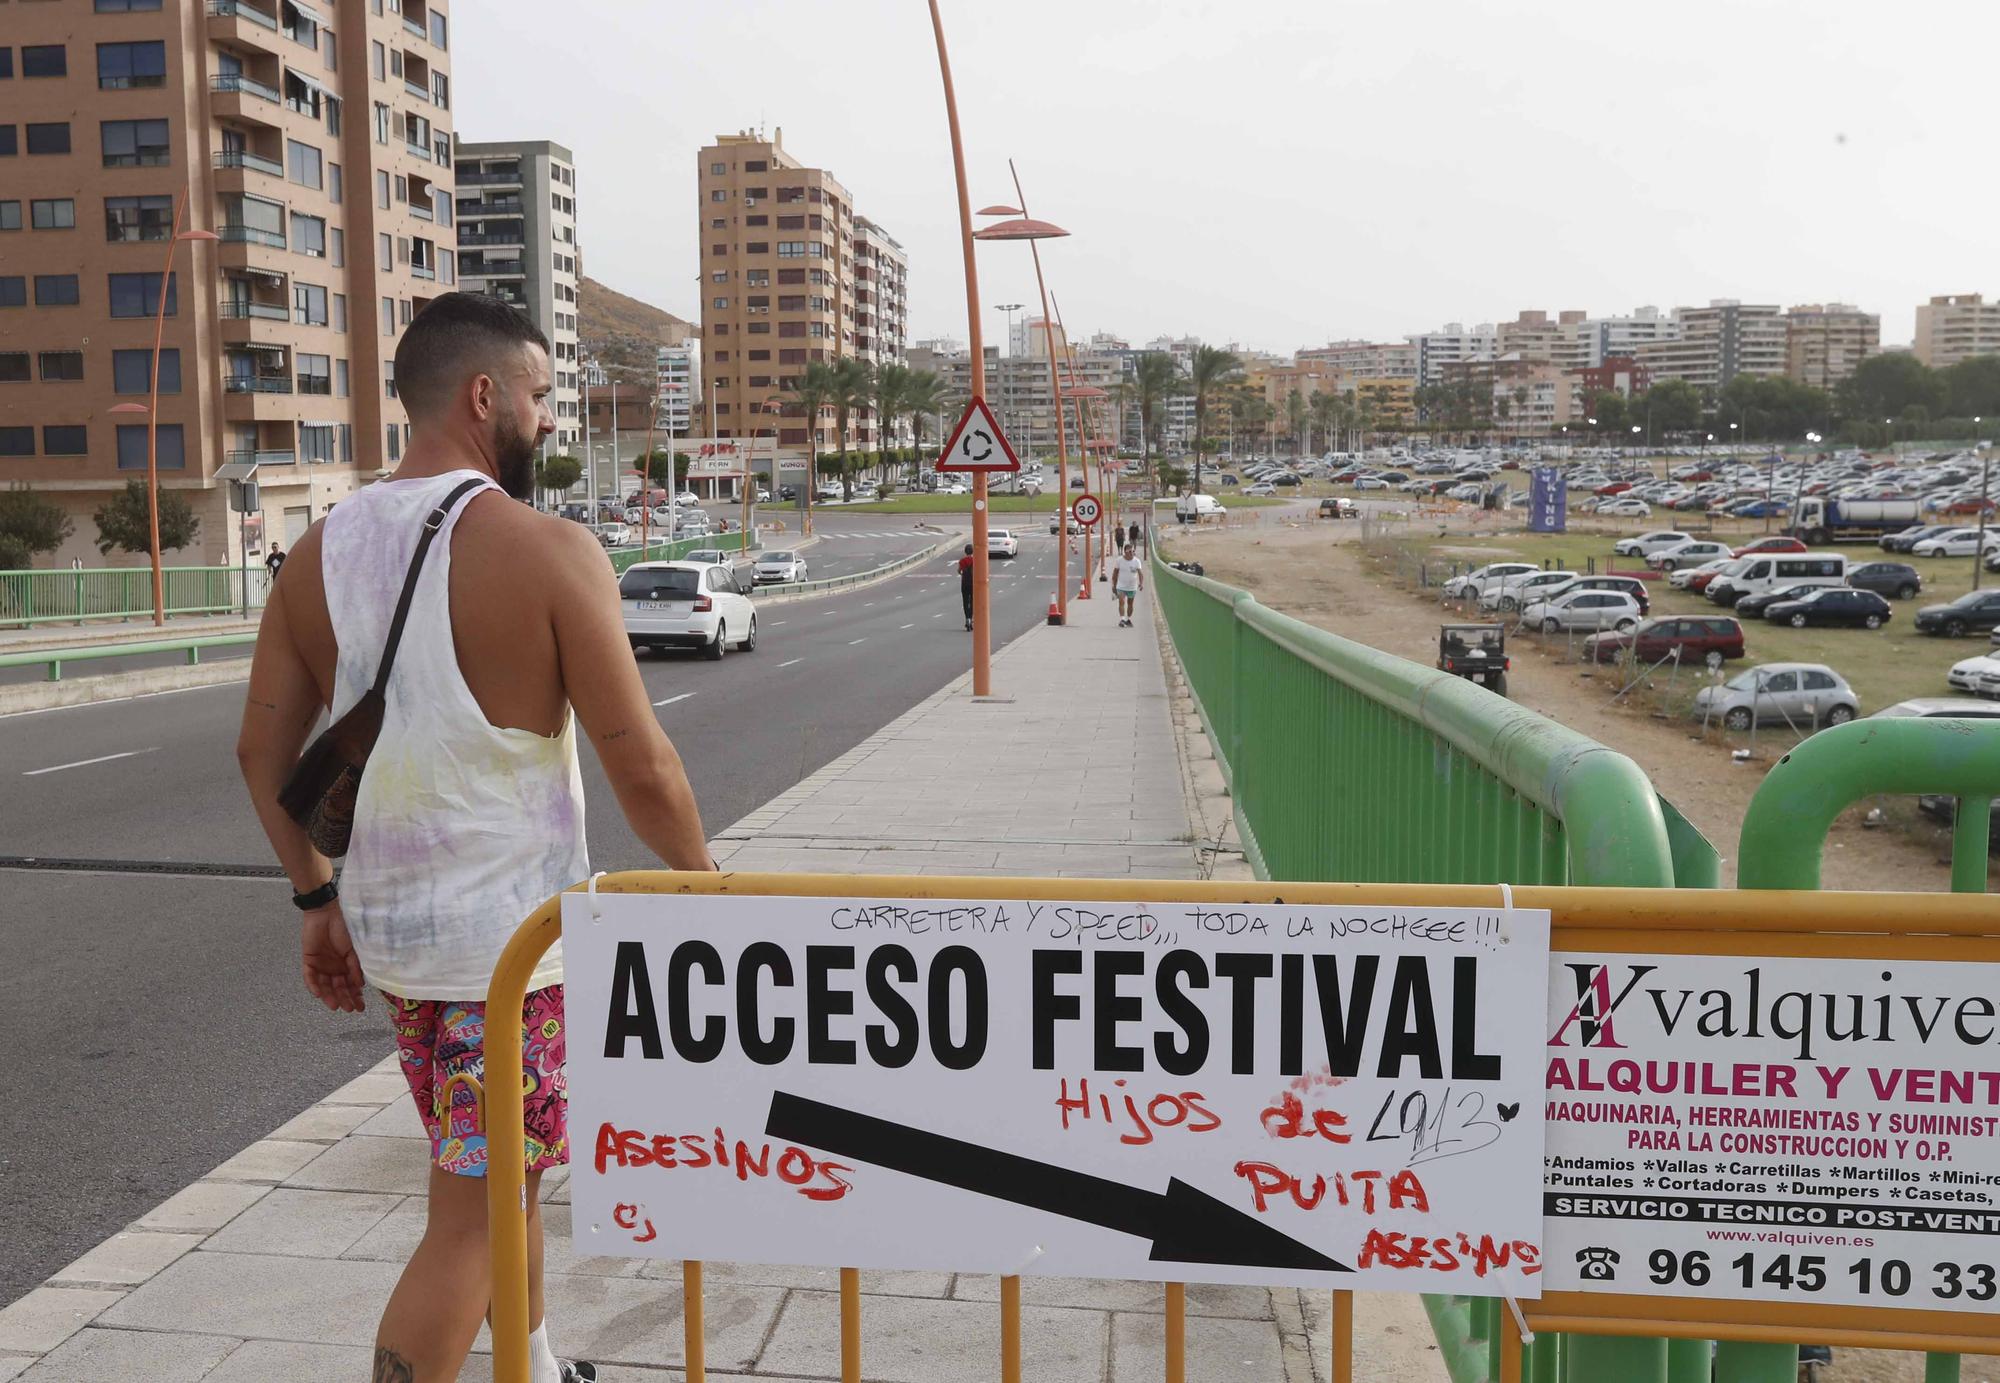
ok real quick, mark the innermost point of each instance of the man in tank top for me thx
(470, 811)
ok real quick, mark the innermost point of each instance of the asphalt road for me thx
(157, 1024)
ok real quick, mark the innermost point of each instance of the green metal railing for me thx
(624, 557)
(104, 593)
(1344, 762)
(55, 658)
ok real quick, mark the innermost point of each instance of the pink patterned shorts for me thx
(441, 1038)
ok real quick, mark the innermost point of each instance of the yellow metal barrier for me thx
(1886, 926)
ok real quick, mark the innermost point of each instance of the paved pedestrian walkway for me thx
(276, 1265)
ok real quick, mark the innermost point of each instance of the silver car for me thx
(780, 568)
(1807, 695)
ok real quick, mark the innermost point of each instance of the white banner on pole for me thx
(1761, 1128)
(1220, 1092)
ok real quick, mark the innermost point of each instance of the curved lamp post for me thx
(152, 408)
(1023, 227)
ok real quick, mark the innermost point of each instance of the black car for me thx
(1897, 579)
(1754, 606)
(1910, 537)
(1834, 605)
(1975, 612)
(788, 492)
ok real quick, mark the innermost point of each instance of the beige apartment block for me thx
(780, 248)
(1824, 342)
(1719, 342)
(1956, 327)
(312, 140)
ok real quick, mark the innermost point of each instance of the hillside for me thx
(621, 329)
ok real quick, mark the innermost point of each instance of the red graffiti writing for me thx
(1268, 1182)
(1448, 1253)
(1166, 1110)
(815, 1180)
(1288, 1119)
(628, 1217)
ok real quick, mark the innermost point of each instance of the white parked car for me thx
(1592, 610)
(1806, 695)
(614, 534)
(1960, 542)
(1688, 554)
(687, 497)
(687, 605)
(1976, 675)
(828, 494)
(763, 495)
(779, 568)
(1002, 543)
(1262, 487)
(1625, 507)
(1475, 582)
(1658, 541)
(1516, 591)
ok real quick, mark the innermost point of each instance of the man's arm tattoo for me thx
(614, 735)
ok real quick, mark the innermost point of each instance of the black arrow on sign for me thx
(1186, 1225)
(981, 434)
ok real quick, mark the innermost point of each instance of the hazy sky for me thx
(1282, 172)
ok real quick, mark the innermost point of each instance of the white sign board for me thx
(1774, 1129)
(1218, 1092)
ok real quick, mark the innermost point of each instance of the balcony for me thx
(490, 179)
(243, 25)
(236, 83)
(244, 160)
(422, 211)
(240, 308)
(415, 26)
(417, 89)
(256, 384)
(238, 9)
(505, 206)
(273, 457)
(476, 239)
(422, 271)
(249, 235)
(494, 268)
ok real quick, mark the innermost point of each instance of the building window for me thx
(131, 371)
(44, 60)
(719, 195)
(61, 366)
(169, 452)
(381, 123)
(718, 169)
(340, 312)
(13, 290)
(309, 235)
(316, 442)
(9, 143)
(123, 65)
(126, 6)
(309, 305)
(760, 219)
(394, 437)
(791, 249)
(68, 440)
(720, 303)
(6, 62)
(447, 266)
(760, 355)
(758, 247)
(793, 328)
(341, 379)
(138, 218)
(719, 329)
(60, 290)
(378, 61)
(382, 189)
(756, 165)
(17, 441)
(438, 31)
(14, 367)
(315, 375)
(134, 143)
(792, 223)
(304, 164)
(338, 249)
(10, 216)
(792, 356)
(385, 252)
(49, 139)
(388, 316)
(138, 295)
(335, 188)
(56, 213)
(792, 302)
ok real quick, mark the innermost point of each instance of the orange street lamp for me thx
(1025, 228)
(152, 409)
(1085, 429)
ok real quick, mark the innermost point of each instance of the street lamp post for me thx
(152, 408)
(1985, 500)
(1007, 376)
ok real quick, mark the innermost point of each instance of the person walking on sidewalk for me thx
(965, 584)
(1128, 578)
(470, 811)
(275, 560)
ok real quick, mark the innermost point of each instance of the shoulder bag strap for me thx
(431, 527)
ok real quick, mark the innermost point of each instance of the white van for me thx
(1195, 508)
(1776, 571)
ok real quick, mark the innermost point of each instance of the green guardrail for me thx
(56, 657)
(829, 584)
(1344, 762)
(624, 557)
(85, 594)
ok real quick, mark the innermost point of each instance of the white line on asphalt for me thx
(86, 763)
(862, 639)
(937, 616)
(909, 626)
(672, 699)
(776, 622)
(795, 660)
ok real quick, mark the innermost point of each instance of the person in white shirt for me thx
(1128, 578)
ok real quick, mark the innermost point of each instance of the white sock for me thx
(541, 1359)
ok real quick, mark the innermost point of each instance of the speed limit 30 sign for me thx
(1087, 510)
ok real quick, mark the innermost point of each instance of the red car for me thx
(1771, 545)
(1698, 582)
(1616, 487)
(1699, 637)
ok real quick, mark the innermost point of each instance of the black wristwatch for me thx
(318, 898)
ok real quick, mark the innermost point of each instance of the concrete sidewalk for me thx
(277, 1264)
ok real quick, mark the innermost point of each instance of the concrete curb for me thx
(118, 686)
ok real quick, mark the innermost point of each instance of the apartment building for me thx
(516, 214)
(881, 295)
(1365, 359)
(282, 129)
(1825, 341)
(677, 380)
(1956, 327)
(1435, 352)
(1607, 338)
(1719, 342)
(777, 280)
(1534, 336)
(1019, 389)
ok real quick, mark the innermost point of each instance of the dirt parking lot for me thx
(1318, 572)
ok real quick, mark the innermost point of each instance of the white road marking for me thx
(909, 626)
(86, 763)
(862, 639)
(672, 699)
(795, 660)
(776, 622)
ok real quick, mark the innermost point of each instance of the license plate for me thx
(664, 607)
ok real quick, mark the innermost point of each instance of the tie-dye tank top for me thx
(462, 827)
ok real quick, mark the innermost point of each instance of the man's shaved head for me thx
(456, 337)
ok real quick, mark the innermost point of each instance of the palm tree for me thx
(1211, 366)
(890, 381)
(1521, 404)
(1325, 411)
(812, 392)
(1242, 410)
(1296, 416)
(923, 395)
(1154, 378)
(853, 386)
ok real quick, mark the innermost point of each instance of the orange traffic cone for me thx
(1055, 609)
